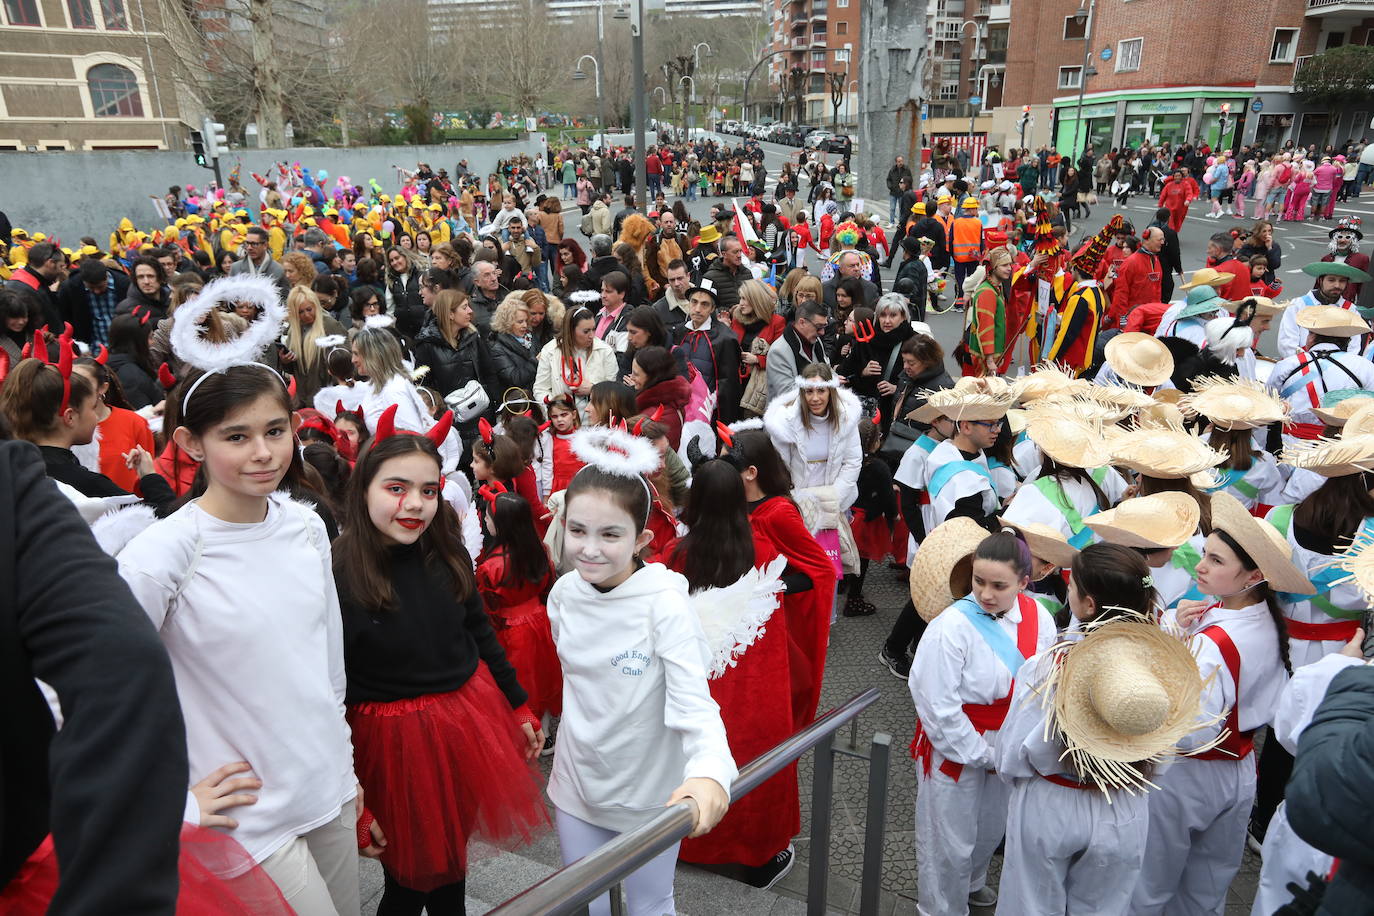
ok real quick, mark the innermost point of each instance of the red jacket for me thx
(769, 332)
(673, 395)
(1145, 318)
(1137, 282)
(1239, 287)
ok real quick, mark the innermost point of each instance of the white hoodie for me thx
(638, 718)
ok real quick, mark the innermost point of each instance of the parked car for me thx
(817, 138)
(840, 143)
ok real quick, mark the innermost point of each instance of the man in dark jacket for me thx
(1170, 255)
(928, 227)
(114, 778)
(712, 347)
(727, 272)
(486, 295)
(620, 217)
(88, 299)
(602, 262)
(850, 265)
(32, 281)
(895, 175)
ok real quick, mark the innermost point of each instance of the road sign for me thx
(1107, 53)
(1257, 105)
(975, 100)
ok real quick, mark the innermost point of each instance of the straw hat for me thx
(1237, 403)
(1164, 453)
(1332, 457)
(1161, 415)
(1340, 405)
(971, 399)
(1361, 423)
(1046, 543)
(1125, 693)
(1263, 542)
(1168, 395)
(1157, 522)
(1263, 305)
(942, 570)
(1140, 358)
(1331, 321)
(1208, 276)
(1065, 438)
(1128, 399)
(1047, 379)
(1090, 409)
(1358, 560)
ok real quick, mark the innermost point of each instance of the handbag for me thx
(755, 397)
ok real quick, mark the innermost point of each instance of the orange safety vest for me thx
(946, 222)
(967, 243)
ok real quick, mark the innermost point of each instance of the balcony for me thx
(818, 39)
(1340, 9)
(819, 9)
(999, 13)
(798, 42)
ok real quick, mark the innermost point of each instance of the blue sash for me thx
(927, 444)
(1002, 645)
(1324, 579)
(943, 474)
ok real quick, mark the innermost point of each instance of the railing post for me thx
(875, 824)
(822, 793)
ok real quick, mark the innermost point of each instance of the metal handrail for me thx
(576, 885)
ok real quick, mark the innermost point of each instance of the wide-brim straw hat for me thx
(1045, 543)
(1140, 359)
(1331, 321)
(942, 570)
(1263, 305)
(1127, 399)
(1340, 405)
(1208, 276)
(1087, 409)
(1125, 693)
(970, 399)
(1350, 454)
(1066, 438)
(1262, 541)
(1361, 422)
(1157, 522)
(1164, 453)
(1237, 403)
(1357, 560)
(1047, 380)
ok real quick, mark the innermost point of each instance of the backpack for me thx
(585, 226)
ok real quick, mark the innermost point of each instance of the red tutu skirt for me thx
(900, 535)
(205, 856)
(440, 770)
(528, 642)
(755, 699)
(872, 536)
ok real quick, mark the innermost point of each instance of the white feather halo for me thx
(740, 426)
(378, 321)
(615, 451)
(188, 342)
(330, 340)
(583, 296)
(817, 382)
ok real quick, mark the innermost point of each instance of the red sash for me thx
(1303, 362)
(985, 717)
(1344, 630)
(1238, 744)
(1064, 781)
(26, 277)
(1304, 430)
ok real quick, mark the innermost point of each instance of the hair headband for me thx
(616, 452)
(817, 382)
(189, 343)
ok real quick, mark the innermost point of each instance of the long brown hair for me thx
(1238, 445)
(1337, 507)
(360, 552)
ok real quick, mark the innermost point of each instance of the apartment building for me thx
(812, 46)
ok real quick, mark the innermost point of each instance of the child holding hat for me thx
(1198, 817)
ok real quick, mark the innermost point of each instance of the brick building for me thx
(1174, 72)
(811, 40)
(968, 59)
(88, 75)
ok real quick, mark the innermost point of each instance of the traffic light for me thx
(1025, 111)
(198, 149)
(1225, 108)
(215, 139)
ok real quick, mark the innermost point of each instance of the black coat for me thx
(598, 268)
(513, 364)
(928, 227)
(137, 303)
(75, 306)
(41, 303)
(407, 307)
(140, 389)
(450, 368)
(114, 779)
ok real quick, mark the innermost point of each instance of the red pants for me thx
(1177, 214)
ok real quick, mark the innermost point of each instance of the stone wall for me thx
(893, 44)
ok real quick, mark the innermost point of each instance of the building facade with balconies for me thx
(814, 61)
(967, 69)
(1113, 74)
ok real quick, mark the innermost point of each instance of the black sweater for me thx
(63, 466)
(875, 490)
(111, 785)
(431, 643)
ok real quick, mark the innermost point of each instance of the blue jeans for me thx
(892, 209)
(655, 184)
(691, 190)
(1362, 178)
(569, 190)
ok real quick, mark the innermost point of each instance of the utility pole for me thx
(266, 77)
(600, 62)
(638, 102)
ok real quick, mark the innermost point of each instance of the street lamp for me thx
(1084, 17)
(973, 77)
(851, 91)
(580, 74)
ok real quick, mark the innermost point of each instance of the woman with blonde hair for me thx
(307, 324)
(512, 355)
(807, 289)
(545, 318)
(756, 322)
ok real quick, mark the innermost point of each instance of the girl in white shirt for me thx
(639, 727)
(239, 585)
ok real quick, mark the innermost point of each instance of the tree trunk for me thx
(267, 86)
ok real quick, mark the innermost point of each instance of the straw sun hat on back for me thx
(1234, 403)
(1065, 437)
(942, 569)
(1045, 543)
(1140, 359)
(1347, 455)
(1341, 404)
(1263, 542)
(981, 399)
(1164, 453)
(1332, 321)
(1156, 522)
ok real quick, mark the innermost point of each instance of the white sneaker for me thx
(984, 897)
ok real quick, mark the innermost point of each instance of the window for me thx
(22, 12)
(1285, 46)
(1070, 77)
(949, 92)
(841, 55)
(1335, 40)
(1075, 29)
(1128, 54)
(841, 28)
(114, 92)
(80, 13)
(115, 16)
(841, 4)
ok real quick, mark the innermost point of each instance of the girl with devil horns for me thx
(441, 730)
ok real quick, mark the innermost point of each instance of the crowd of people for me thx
(421, 482)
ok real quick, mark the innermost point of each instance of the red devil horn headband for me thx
(338, 407)
(103, 356)
(484, 429)
(386, 427)
(725, 434)
(657, 414)
(39, 348)
(165, 377)
(386, 423)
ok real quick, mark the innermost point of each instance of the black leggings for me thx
(403, 901)
(1275, 766)
(853, 584)
(906, 632)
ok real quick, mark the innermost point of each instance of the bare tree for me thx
(838, 81)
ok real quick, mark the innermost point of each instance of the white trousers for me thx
(1197, 837)
(1287, 857)
(1069, 852)
(318, 873)
(958, 827)
(648, 892)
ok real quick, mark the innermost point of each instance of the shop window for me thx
(1128, 54)
(80, 13)
(114, 92)
(1074, 29)
(1285, 46)
(115, 15)
(22, 12)
(1070, 77)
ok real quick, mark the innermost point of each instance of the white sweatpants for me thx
(1287, 857)
(1197, 836)
(648, 892)
(1069, 852)
(958, 827)
(318, 873)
